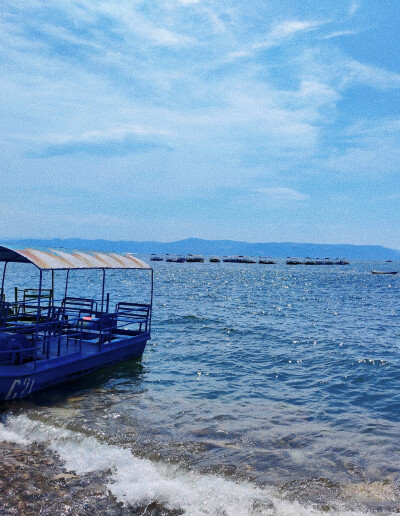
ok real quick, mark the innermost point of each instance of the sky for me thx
(260, 121)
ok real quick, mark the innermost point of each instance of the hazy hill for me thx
(222, 248)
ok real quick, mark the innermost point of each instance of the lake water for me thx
(266, 389)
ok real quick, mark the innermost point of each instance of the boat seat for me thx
(77, 307)
(30, 295)
(70, 313)
(128, 314)
(29, 305)
(27, 314)
(101, 327)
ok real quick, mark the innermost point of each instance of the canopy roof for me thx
(49, 258)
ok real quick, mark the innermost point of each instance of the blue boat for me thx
(45, 341)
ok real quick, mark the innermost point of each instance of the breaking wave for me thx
(138, 482)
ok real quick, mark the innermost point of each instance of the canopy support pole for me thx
(66, 284)
(2, 281)
(38, 312)
(151, 298)
(102, 289)
(52, 287)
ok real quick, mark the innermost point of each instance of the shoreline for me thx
(32, 478)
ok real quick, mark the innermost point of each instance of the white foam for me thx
(137, 481)
(10, 436)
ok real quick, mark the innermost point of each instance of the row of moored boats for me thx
(317, 261)
(191, 258)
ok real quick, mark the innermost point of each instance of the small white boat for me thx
(384, 272)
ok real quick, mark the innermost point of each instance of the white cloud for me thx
(354, 7)
(373, 131)
(363, 161)
(188, 2)
(287, 28)
(131, 21)
(109, 135)
(329, 65)
(354, 71)
(64, 35)
(275, 37)
(367, 148)
(282, 194)
(116, 90)
(317, 92)
(340, 33)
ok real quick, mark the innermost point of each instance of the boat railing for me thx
(32, 294)
(19, 355)
(131, 314)
(32, 340)
(77, 306)
(61, 330)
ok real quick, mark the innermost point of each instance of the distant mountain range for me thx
(221, 248)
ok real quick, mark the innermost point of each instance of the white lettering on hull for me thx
(20, 388)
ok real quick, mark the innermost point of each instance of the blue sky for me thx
(166, 119)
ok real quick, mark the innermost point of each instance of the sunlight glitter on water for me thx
(300, 403)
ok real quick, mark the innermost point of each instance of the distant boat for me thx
(294, 261)
(156, 258)
(317, 261)
(239, 259)
(194, 258)
(266, 261)
(214, 259)
(248, 259)
(384, 272)
(176, 258)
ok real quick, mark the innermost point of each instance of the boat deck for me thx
(64, 350)
(67, 333)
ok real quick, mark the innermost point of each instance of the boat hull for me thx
(17, 384)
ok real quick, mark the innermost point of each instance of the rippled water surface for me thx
(266, 389)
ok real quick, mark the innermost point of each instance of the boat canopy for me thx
(52, 259)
